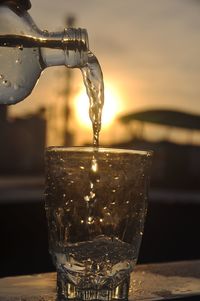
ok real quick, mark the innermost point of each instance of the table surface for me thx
(165, 281)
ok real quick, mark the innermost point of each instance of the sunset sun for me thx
(110, 110)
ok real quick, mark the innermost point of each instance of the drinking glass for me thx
(96, 202)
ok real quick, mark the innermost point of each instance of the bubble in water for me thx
(94, 166)
(86, 198)
(92, 195)
(6, 83)
(90, 220)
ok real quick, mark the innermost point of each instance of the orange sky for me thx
(148, 50)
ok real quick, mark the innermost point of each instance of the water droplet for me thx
(45, 31)
(82, 167)
(64, 195)
(18, 61)
(82, 221)
(1, 76)
(141, 233)
(101, 220)
(20, 47)
(16, 86)
(6, 83)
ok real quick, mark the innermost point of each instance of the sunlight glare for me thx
(110, 110)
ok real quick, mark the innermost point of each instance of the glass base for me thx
(68, 291)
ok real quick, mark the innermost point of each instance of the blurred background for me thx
(149, 54)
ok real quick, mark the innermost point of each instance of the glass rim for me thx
(90, 149)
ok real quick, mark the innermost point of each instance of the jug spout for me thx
(69, 48)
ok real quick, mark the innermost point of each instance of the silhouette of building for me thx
(175, 166)
(22, 143)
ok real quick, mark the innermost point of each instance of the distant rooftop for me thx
(165, 117)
